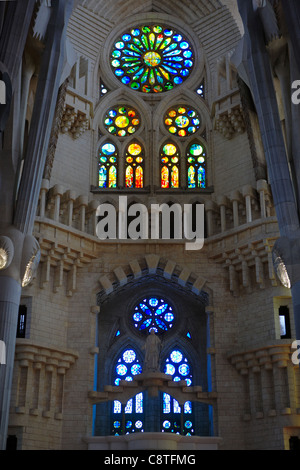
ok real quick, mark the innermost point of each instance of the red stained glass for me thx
(165, 177)
(175, 177)
(129, 177)
(139, 177)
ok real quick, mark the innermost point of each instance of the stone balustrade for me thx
(269, 380)
(227, 212)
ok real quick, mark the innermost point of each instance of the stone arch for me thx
(153, 265)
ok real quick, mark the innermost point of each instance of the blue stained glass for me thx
(128, 407)
(129, 356)
(137, 316)
(119, 72)
(147, 46)
(184, 45)
(170, 369)
(121, 369)
(153, 313)
(136, 369)
(108, 149)
(125, 80)
(184, 369)
(176, 356)
(178, 80)
(117, 406)
(166, 424)
(128, 424)
(139, 424)
(139, 400)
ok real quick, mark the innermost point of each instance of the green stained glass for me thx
(152, 59)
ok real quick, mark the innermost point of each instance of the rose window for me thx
(152, 59)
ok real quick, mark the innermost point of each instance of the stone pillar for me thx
(10, 293)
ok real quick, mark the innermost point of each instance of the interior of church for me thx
(121, 334)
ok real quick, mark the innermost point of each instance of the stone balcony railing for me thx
(270, 380)
(240, 232)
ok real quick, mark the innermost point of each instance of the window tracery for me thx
(152, 58)
(108, 157)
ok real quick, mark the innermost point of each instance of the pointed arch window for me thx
(108, 161)
(196, 165)
(134, 169)
(129, 418)
(169, 171)
(175, 418)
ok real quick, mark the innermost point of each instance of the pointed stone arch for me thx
(167, 270)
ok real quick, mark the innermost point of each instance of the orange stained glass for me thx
(112, 177)
(139, 177)
(134, 149)
(165, 177)
(175, 177)
(129, 177)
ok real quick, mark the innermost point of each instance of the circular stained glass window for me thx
(152, 59)
(122, 121)
(127, 366)
(153, 313)
(182, 121)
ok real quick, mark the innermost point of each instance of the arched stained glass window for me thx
(152, 58)
(122, 121)
(175, 419)
(182, 121)
(134, 170)
(108, 160)
(196, 165)
(169, 158)
(153, 313)
(128, 418)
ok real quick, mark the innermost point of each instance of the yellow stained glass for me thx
(112, 177)
(122, 121)
(134, 149)
(152, 59)
(169, 149)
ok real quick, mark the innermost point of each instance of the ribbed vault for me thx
(188, 10)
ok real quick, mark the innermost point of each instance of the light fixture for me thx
(6, 252)
(279, 263)
(31, 259)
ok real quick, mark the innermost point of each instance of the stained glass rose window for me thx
(182, 121)
(152, 59)
(122, 121)
(153, 313)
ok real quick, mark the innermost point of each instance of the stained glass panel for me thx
(175, 177)
(139, 177)
(169, 166)
(122, 121)
(152, 59)
(126, 368)
(196, 162)
(153, 314)
(177, 365)
(107, 166)
(129, 177)
(182, 121)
